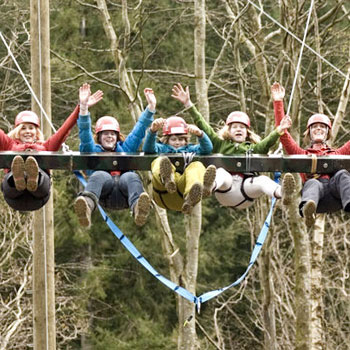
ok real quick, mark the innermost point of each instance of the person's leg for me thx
(190, 185)
(232, 196)
(17, 171)
(138, 201)
(340, 187)
(256, 186)
(99, 186)
(43, 185)
(311, 194)
(223, 180)
(164, 173)
(32, 173)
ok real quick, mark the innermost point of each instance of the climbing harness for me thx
(171, 285)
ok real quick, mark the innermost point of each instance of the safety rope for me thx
(171, 285)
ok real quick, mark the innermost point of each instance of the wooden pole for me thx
(43, 260)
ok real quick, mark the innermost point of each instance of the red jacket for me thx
(53, 143)
(291, 147)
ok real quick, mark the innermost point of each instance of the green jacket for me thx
(229, 147)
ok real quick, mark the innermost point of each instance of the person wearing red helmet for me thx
(113, 190)
(321, 193)
(179, 191)
(239, 190)
(27, 187)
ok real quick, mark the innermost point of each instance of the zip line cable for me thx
(299, 40)
(300, 56)
(280, 147)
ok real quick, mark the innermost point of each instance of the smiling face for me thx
(108, 139)
(238, 132)
(27, 134)
(178, 141)
(318, 132)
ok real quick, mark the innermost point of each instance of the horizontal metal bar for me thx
(141, 161)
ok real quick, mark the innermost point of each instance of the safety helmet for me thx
(27, 117)
(175, 125)
(107, 123)
(238, 117)
(319, 118)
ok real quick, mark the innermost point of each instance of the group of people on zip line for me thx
(26, 187)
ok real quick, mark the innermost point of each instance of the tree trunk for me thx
(43, 270)
(199, 58)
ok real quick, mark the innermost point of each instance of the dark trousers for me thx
(115, 192)
(329, 195)
(25, 200)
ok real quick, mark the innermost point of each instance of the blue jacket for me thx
(131, 143)
(151, 146)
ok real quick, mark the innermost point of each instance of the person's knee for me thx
(129, 177)
(342, 174)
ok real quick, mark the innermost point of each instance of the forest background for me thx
(229, 54)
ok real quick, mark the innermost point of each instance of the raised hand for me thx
(151, 99)
(286, 122)
(94, 98)
(181, 94)
(277, 92)
(157, 124)
(193, 129)
(84, 94)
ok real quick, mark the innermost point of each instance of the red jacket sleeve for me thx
(278, 108)
(55, 141)
(345, 149)
(6, 142)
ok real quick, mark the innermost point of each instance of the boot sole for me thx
(193, 197)
(208, 180)
(82, 210)
(32, 171)
(309, 212)
(166, 174)
(142, 210)
(17, 168)
(288, 188)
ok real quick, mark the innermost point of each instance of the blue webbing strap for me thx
(257, 248)
(136, 254)
(180, 290)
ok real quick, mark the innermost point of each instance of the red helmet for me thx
(107, 123)
(175, 125)
(319, 118)
(27, 117)
(238, 117)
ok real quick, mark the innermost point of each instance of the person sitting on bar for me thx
(239, 190)
(113, 190)
(321, 193)
(179, 191)
(26, 187)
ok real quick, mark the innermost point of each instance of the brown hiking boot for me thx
(288, 188)
(193, 197)
(17, 168)
(141, 209)
(309, 212)
(166, 174)
(32, 171)
(208, 180)
(83, 207)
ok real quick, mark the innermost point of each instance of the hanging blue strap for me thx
(180, 290)
(136, 254)
(257, 248)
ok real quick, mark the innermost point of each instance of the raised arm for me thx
(150, 145)
(86, 100)
(205, 146)
(183, 95)
(134, 139)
